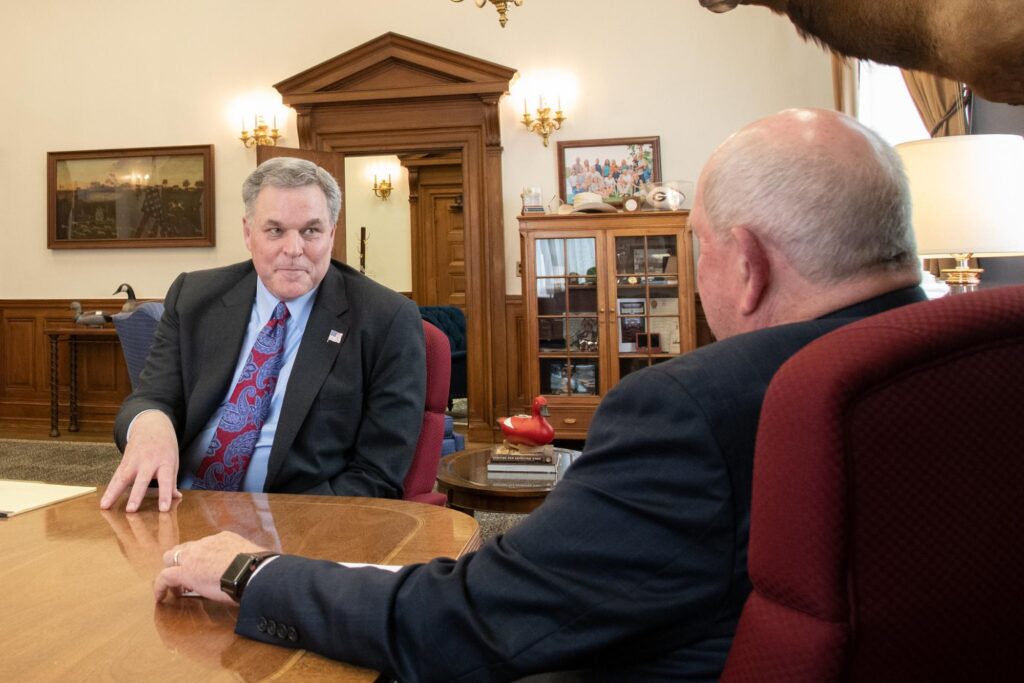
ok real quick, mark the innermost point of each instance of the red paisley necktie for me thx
(227, 458)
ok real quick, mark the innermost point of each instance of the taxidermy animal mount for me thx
(978, 42)
(131, 304)
(89, 318)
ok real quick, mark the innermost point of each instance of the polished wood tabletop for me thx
(77, 598)
(464, 479)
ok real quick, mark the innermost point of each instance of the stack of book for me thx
(534, 466)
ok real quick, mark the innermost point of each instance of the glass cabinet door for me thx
(568, 334)
(646, 300)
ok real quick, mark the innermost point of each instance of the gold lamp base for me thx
(963, 278)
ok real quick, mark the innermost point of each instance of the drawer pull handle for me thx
(569, 420)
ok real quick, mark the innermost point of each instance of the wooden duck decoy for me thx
(529, 430)
(131, 304)
(90, 318)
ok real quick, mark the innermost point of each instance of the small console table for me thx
(74, 335)
(463, 478)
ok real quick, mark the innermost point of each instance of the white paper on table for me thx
(385, 567)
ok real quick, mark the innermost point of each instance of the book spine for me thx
(537, 458)
(539, 469)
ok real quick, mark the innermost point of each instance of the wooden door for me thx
(333, 163)
(438, 235)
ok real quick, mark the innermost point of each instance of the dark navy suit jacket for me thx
(635, 568)
(352, 410)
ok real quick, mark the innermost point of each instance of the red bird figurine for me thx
(529, 430)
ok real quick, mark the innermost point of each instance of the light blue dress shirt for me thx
(262, 309)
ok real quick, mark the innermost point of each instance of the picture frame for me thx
(130, 198)
(640, 156)
(632, 316)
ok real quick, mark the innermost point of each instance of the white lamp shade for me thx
(967, 193)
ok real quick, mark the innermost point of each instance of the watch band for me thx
(236, 578)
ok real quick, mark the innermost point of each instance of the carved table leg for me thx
(73, 390)
(54, 408)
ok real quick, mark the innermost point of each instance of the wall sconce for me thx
(500, 5)
(262, 134)
(543, 125)
(383, 188)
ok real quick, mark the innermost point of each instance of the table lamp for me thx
(967, 193)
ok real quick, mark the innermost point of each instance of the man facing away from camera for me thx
(288, 373)
(635, 566)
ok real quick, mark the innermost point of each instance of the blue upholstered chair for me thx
(451, 321)
(136, 330)
(453, 441)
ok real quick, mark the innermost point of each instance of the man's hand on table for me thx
(198, 565)
(151, 453)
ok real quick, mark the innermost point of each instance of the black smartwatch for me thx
(234, 580)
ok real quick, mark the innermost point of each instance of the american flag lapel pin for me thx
(334, 337)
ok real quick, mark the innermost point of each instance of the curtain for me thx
(844, 84)
(940, 102)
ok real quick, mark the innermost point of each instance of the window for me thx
(885, 106)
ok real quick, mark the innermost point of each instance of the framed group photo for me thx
(126, 198)
(614, 168)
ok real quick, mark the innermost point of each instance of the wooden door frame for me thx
(422, 250)
(397, 95)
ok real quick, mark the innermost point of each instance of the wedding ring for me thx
(177, 553)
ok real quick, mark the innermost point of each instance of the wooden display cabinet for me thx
(604, 295)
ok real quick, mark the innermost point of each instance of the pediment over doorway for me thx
(395, 67)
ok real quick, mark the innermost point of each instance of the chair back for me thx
(419, 482)
(887, 523)
(451, 321)
(136, 330)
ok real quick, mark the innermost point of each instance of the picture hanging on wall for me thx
(129, 198)
(615, 168)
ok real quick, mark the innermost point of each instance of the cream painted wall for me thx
(143, 73)
(388, 226)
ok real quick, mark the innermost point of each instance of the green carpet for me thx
(58, 462)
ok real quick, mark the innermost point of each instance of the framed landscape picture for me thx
(129, 198)
(615, 168)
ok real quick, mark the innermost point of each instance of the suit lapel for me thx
(223, 331)
(314, 360)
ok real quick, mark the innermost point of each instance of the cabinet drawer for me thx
(570, 422)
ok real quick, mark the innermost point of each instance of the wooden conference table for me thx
(77, 583)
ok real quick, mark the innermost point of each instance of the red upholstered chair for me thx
(419, 482)
(887, 527)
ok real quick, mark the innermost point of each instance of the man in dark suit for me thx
(342, 412)
(635, 566)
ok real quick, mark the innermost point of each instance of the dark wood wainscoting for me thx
(25, 366)
(515, 324)
(103, 378)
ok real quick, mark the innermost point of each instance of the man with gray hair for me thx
(635, 567)
(289, 373)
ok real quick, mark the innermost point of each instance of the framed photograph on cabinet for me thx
(615, 168)
(130, 198)
(632, 320)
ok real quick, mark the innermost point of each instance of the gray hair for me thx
(835, 216)
(291, 172)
